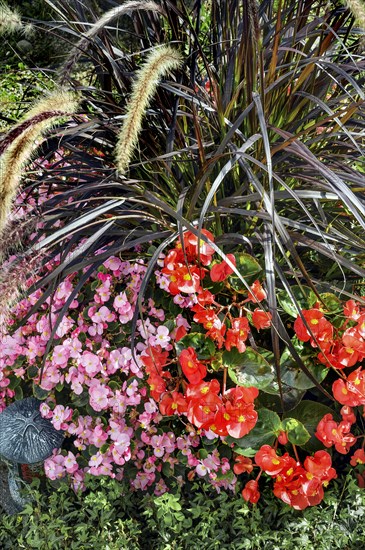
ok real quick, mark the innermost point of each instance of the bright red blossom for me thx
(321, 329)
(352, 391)
(330, 433)
(358, 457)
(238, 334)
(193, 249)
(250, 492)
(193, 369)
(173, 403)
(257, 293)
(242, 464)
(261, 319)
(221, 271)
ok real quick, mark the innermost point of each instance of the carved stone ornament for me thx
(26, 437)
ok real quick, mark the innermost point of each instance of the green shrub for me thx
(19, 86)
(106, 518)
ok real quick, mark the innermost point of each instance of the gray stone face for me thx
(26, 437)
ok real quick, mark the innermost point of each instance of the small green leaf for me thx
(331, 302)
(303, 295)
(297, 433)
(18, 393)
(32, 371)
(14, 382)
(248, 368)
(39, 393)
(268, 427)
(248, 267)
(203, 346)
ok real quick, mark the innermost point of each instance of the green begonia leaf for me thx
(303, 295)
(203, 346)
(296, 431)
(331, 302)
(249, 368)
(292, 375)
(248, 267)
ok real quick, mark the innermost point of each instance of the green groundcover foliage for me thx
(106, 518)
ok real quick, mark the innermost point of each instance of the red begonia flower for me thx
(261, 319)
(250, 492)
(220, 272)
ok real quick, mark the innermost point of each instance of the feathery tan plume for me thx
(44, 114)
(14, 282)
(357, 8)
(158, 63)
(10, 20)
(106, 19)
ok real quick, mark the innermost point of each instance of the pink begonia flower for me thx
(60, 416)
(60, 355)
(157, 444)
(74, 347)
(64, 327)
(51, 377)
(44, 328)
(118, 402)
(143, 480)
(103, 293)
(113, 263)
(77, 480)
(151, 406)
(35, 348)
(90, 362)
(76, 379)
(122, 443)
(45, 410)
(183, 445)
(63, 291)
(95, 329)
(161, 338)
(96, 460)
(54, 467)
(98, 437)
(70, 463)
(149, 465)
(160, 488)
(133, 395)
(103, 315)
(126, 314)
(118, 360)
(99, 395)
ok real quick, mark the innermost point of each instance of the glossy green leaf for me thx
(292, 375)
(248, 267)
(270, 398)
(249, 368)
(303, 295)
(203, 346)
(39, 393)
(297, 433)
(331, 302)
